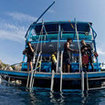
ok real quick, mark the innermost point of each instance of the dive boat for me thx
(52, 40)
(49, 37)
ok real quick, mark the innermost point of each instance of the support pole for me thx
(80, 58)
(52, 81)
(61, 71)
(61, 81)
(94, 34)
(82, 81)
(87, 82)
(58, 48)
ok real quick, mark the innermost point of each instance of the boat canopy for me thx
(66, 27)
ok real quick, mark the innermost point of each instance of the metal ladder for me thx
(53, 74)
(30, 79)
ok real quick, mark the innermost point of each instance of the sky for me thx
(17, 15)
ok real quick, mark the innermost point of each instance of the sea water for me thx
(17, 95)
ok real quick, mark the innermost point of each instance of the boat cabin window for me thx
(47, 29)
(66, 27)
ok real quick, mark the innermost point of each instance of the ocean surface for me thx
(16, 95)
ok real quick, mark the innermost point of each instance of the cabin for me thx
(49, 37)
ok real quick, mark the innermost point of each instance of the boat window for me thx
(82, 28)
(47, 29)
(66, 27)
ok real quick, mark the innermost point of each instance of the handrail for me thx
(55, 32)
(61, 71)
(64, 36)
(52, 81)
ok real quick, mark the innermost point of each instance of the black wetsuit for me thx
(30, 54)
(67, 58)
(87, 51)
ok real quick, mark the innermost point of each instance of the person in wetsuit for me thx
(67, 57)
(86, 51)
(30, 54)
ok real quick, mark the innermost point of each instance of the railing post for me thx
(61, 71)
(82, 81)
(87, 82)
(52, 81)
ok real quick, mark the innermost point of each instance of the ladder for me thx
(34, 71)
(30, 79)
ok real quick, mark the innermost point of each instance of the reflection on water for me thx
(13, 95)
(56, 98)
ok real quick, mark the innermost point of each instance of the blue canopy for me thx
(66, 27)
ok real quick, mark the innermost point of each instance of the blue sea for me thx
(17, 95)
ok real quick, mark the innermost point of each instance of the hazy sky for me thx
(17, 15)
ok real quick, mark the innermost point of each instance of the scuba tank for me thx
(54, 60)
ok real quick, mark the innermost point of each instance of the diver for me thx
(86, 51)
(67, 56)
(30, 55)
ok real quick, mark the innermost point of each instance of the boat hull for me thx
(69, 80)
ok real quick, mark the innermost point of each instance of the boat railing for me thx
(45, 66)
(63, 37)
(64, 32)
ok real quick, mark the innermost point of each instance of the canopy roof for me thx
(66, 27)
